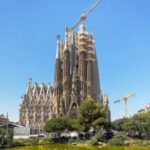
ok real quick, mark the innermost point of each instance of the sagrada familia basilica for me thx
(76, 78)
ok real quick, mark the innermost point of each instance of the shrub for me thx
(71, 141)
(32, 141)
(118, 139)
(93, 141)
(18, 143)
(100, 136)
(74, 140)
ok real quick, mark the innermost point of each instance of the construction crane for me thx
(85, 14)
(125, 99)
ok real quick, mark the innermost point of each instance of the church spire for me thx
(81, 29)
(30, 83)
(66, 38)
(58, 47)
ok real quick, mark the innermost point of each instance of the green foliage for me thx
(93, 141)
(118, 139)
(137, 142)
(74, 140)
(74, 124)
(6, 137)
(99, 137)
(26, 142)
(58, 125)
(33, 141)
(119, 124)
(138, 125)
(91, 114)
(2, 136)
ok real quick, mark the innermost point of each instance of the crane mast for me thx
(84, 15)
(125, 99)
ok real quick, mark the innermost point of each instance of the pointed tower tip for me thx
(66, 38)
(66, 29)
(30, 81)
(58, 37)
(49, 84)
(58, 46)
(91, 32)
(82, 29)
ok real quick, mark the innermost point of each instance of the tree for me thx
(58, 125)
(91, 114)
(147, 124)
(6, 138)
(119, 124)
(118, 139)
(75, 125)
(139, 124)
(2, 136)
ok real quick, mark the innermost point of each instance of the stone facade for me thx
(76, 72)
(76, 78)
(105, 103)
(35, 107)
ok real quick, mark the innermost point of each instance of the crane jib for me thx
(125, 99)
(84, 15)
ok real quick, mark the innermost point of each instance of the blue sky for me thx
(28, 32)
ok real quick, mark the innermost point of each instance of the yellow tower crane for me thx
(125, 99)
